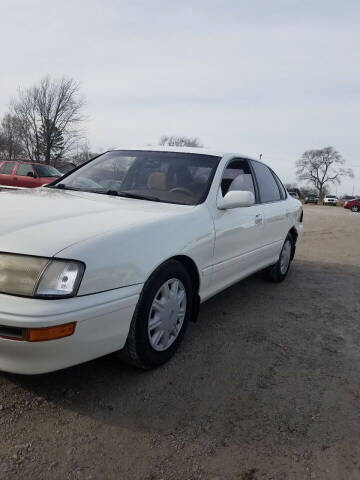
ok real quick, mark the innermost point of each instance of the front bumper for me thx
(102, 325)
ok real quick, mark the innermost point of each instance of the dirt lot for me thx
(265, 386)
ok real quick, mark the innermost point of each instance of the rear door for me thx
(25, 176)
(6, 173)
(277, 216)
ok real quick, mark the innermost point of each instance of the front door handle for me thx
(258, 219)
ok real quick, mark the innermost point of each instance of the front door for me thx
(25, 176)
(239, 232)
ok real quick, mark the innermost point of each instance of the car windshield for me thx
(47, 171)
(330, 196)
(170, 177)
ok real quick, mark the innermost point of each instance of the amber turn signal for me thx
(49, 333)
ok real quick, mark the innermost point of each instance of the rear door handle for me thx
(258, 219)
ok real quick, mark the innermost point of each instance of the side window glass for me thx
(24, 169)
(268, 188)
(280, 185)
(7, 168)
(237, 176)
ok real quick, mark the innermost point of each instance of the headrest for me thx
(238, 183)
(157, 181)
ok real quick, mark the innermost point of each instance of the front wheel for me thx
(354, 208)
(161, 317)
(278, 272)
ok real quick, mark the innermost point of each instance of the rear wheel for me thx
(160, 318)
(278, 272)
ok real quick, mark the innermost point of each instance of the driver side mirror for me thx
(235, 199)
(31, 174)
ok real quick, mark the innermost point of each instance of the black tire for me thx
(273, 273)
(354, 208)
(138, 350)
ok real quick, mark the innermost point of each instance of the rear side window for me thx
(24, 170)
(7, 168)
(268, 188)
(280, 185)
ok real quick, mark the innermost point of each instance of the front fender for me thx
(119, 259)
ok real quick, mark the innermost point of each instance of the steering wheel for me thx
(182, 190)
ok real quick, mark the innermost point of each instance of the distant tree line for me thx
(179, 141)
(43, 122)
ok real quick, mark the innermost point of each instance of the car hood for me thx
(45, 221)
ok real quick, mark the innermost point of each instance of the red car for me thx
(26, 174)
(353, 205)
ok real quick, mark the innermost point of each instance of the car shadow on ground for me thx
(254, 343)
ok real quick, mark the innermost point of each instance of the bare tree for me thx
(10, 141)
(83, 153)
(290, 186)
(49, 115)
(178, 141)
(320, 168)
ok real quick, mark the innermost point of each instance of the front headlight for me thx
(39, 277)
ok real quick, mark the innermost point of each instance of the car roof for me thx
(197, 150)
(27, 162)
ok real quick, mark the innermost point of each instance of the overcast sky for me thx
(254, 76)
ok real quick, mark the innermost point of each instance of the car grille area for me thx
(14, 333)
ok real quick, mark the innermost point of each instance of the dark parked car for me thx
(294, 194)
(26, 174)
(65, 167)
(353, 205)
(312, 199)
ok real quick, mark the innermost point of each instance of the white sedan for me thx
(118, 255)
(330, 200)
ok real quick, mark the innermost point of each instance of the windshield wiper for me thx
(133, 195)
(138, 196)
(62, 186)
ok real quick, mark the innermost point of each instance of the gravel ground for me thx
(265, 386)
